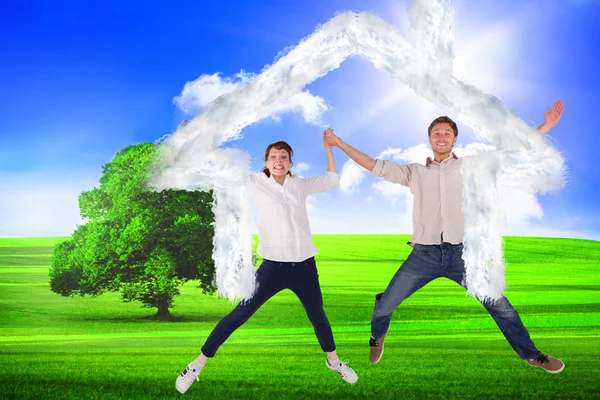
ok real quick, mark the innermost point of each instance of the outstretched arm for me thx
(551, 117)
(328, 181)
(356, 155)
(329, 152)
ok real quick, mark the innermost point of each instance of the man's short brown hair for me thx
(440, 120)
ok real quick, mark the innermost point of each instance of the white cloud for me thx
(352, 175)
(472, 149)
(488, 53)
(40, 204)
(311, 107)
(300, 168)
(389, 153)
(200, 93)
(415, 154)
(518, 206)
(394, 192)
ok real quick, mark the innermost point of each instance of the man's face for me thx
(278, 162)
(442, 138)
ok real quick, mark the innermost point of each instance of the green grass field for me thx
(441, 344)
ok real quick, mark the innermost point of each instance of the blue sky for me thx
(82, 79)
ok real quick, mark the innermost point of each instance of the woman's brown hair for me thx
(281, 145)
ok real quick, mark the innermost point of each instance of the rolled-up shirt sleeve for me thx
(322, 183)
(392, 172)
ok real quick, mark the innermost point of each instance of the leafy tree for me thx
(142, 243)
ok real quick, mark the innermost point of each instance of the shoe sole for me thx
(382, 348)
(550, 372)
(182, 391)
(333, 369)
(380, 355)
(555, 372)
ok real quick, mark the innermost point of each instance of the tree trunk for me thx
(163, 310)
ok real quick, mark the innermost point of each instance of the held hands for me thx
(330, 139)
(325, 141)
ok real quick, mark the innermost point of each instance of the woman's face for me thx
(278, 162)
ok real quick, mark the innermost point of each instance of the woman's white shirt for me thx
(283, 230)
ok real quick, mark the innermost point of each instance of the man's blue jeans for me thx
(428, 262)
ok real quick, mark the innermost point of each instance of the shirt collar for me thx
(285, 181)
(430, 160)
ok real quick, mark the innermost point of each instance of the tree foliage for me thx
(142, 243)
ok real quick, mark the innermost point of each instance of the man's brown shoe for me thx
(549, 363)
(376, 349)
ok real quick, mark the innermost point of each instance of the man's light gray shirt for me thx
(437, 189)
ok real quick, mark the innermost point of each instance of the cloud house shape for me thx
(192, 158)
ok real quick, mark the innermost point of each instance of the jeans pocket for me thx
(309, 261)
(458, 249)
(311, 265)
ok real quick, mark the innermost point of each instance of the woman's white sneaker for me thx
(186, 378)
(343, 369)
